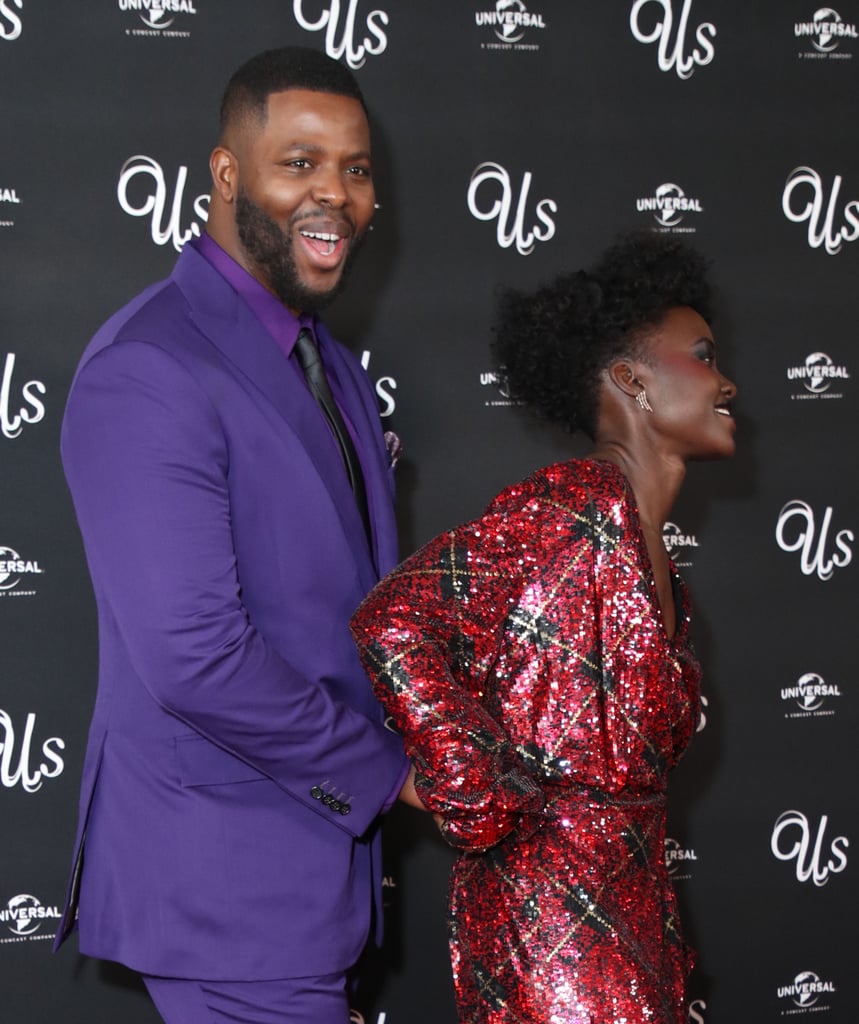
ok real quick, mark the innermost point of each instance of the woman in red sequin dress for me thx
(538, 662)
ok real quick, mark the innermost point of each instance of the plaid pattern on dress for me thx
(525, 660)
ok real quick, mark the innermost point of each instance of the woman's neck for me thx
(655, 480)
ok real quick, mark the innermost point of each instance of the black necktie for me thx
(311, 363)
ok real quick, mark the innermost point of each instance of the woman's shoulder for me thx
(574, 483)
(597, 475)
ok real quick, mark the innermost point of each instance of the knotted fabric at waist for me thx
(564, 800)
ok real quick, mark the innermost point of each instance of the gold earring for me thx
(641, 398)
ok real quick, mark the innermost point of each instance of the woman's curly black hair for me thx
(551, 345)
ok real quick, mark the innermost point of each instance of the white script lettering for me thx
(821, 227)
(813, 558)
(508, 233)
(13, 423)
(155, 201)
(30, 780)
(356, 55)
(809, 863)
(674, 57)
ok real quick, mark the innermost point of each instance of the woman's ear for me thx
(623, 376)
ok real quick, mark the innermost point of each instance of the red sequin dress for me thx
(525, 660)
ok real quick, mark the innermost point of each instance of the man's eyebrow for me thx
(314, 147)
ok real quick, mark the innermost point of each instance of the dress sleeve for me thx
(428, 636)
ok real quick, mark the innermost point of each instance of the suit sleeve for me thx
(428, 636)
(147, 463)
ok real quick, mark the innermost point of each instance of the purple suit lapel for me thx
(219, 313)
(359, 402)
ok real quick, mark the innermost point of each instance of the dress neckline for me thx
(678, 590)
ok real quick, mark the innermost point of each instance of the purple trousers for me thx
(284, 1001)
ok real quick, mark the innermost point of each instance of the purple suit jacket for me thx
(227, 555)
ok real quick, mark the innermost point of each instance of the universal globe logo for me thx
(24, 915)
(678, 544)
(509, 20)
(669, 204)
(13, 568)
(819, 371)
(20, 914)
(678, 859)
(809, 695)
(812, 691)
(500, 385)
(826, 31)
(805, 989)
(817, 375)
(158, 15)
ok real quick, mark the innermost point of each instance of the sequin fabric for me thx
(524, 658)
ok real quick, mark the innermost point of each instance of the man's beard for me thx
(273, 253)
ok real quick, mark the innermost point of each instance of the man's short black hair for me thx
(290, 67)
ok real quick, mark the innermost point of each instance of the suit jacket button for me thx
(316, 793)
(335, 805)
(345, 808)
(327, 799)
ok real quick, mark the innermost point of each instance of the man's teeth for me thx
(323, 236)
(723, 410)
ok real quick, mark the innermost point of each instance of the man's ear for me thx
(225, 173)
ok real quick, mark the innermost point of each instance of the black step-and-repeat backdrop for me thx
(512, 140)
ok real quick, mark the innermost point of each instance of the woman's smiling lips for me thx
(724, 409)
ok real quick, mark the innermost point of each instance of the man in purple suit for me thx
(234, 493)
